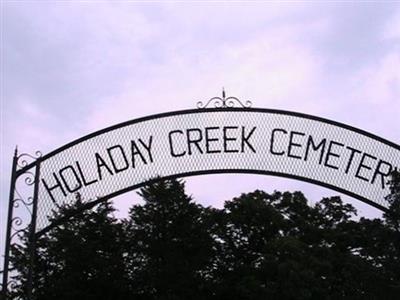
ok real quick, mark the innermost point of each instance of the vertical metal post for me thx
(9, 226)
(32, 233)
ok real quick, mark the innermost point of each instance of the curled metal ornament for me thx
(25, 159)
(12, 285)
(19, 226)
(224, 102)
(19, 233)
(27, 203)
(16, 222)
(29, 177)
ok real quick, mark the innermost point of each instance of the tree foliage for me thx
(80, 257)
(259, 246)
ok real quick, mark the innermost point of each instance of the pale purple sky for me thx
(72, 67)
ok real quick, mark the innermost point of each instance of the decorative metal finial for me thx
(224, 102)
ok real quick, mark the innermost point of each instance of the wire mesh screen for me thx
(217, 140)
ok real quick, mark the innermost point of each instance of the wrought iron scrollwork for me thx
(29, 178)
(20, 222)
(27, 203)
(224, 102)
(21, 198)
(20, 215)
(18, 228)
(25, 159)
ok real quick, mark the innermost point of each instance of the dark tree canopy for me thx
(259, 246)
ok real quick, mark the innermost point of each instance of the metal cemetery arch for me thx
(183, 143)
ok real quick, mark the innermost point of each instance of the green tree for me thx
(259, 246)
(392, 216)
(278, 247)
(82, 257)
(170, 244)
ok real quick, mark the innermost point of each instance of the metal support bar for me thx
(11, 198)
(32, 233)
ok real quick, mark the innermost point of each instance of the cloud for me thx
(380, 84)
(272, 68)
(74, 67)
(391, 30)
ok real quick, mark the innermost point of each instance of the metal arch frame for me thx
(26, 167)
(238, 171)
(207, 110)
(208, 172)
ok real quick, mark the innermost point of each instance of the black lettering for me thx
(292, 144)
(136, 151)
(101, 164)
(209, 140)
(122, 154)
(271, 149)
(310, 143)
(353, 152)
(228, 139)
(245, 139)
(193, 140)
(362, 165)
(384, 174)
(330, 154)
(78, 182)
(171, 147)
(57, 185)
(148, 147)
(86, 183)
